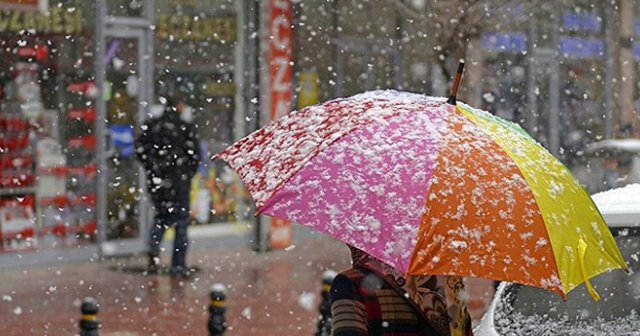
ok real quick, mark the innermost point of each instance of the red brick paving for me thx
(266, 294)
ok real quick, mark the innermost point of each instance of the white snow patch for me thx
(307, 301)
(458, 245)
(246, 312)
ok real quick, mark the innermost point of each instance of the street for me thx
(275, 293)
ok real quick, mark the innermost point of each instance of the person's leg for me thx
(181, 240)
(155, 239)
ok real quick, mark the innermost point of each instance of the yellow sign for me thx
(220, 29)
(58, 20)
(309, 93)
(221, 89)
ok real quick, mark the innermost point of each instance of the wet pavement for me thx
(274, 293)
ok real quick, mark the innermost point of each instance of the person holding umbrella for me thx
(372, 298)
(168, 149)
(427, 186)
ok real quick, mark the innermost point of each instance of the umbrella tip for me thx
(456, 84)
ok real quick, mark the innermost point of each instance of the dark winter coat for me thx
(168, 148)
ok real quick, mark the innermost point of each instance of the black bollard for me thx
(324, 324)
(89, 322)
(217, 323)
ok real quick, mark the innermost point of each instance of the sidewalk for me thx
(274, 293)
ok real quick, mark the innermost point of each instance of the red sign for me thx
(280, 58)
(20, 4)
(280, 89)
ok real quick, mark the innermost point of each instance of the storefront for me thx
(47, 116)
(207, 74)
(68, 175)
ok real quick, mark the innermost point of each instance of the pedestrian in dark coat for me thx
(372, 298)
(168, 148)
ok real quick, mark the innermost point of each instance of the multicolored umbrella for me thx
(429, 188)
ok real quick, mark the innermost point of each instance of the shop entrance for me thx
(123, 210)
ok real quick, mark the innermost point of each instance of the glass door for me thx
(124, 213)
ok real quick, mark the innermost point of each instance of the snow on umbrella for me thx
(428, 188)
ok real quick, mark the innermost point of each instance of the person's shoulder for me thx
(151, 123)
(185, 124)
(355, 274)
(181, 124)
(351, 278)
(189, 128)
(345, 286)
(146, 128)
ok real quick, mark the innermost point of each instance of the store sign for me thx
(309, 88)
(57, 20)
(280, 89)
(588, 22)
(216, 89)
(121, 138)
(23, 4)
(581, 47)
(280, 58)
(18, 2)
(504, 42)
(219, 29)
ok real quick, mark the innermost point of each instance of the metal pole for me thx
(323, 327)
(369, 56)
(101, 111)
(252, 92)
(240, 111)
(627, 82)
(147, 67)
(217, 323)
(150, 59)
(337, 50)
(554, 92)
(532, 98)
(397, 55)
(608, 82)
(242, 52)
(89, 323)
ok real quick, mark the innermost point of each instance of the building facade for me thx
(77, 79)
